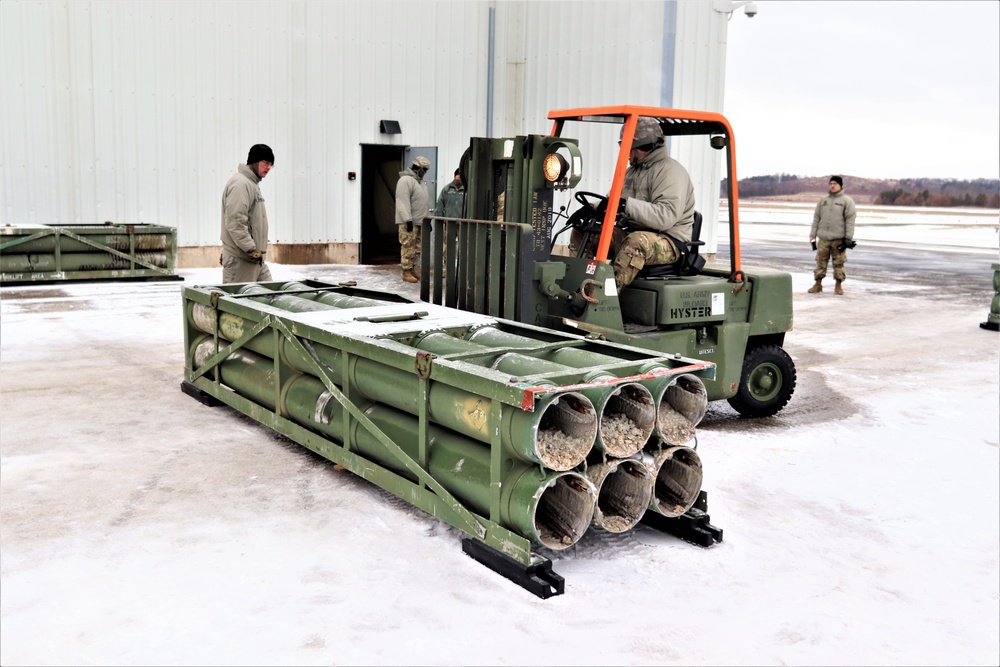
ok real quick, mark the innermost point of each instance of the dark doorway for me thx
(380, 167)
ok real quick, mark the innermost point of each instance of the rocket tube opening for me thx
(681, 409)
(564, 511)
(624, 491)
(677, 480)
(566, 430)
(627, 420)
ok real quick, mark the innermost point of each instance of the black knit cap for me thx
(838, 180)
(260, 152)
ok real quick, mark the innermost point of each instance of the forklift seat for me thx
(689, 263)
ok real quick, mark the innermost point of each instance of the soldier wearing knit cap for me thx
(412, 206)
(244, 220)
(832, 234)
(656, 206)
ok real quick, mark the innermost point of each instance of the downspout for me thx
(667, 57)
(491, 53)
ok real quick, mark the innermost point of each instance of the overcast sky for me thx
(875, 89)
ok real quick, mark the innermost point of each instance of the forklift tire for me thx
(766, 384)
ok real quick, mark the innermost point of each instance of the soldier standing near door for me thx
(412, 206)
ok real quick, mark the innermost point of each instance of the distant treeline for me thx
(982, 192)
(918, 192)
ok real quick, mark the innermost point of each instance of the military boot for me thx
(818, 287)
(409, 277)
(838, 289)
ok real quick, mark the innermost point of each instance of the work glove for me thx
(256, 255)
(409, 226)
(621, 206)
(845, 244)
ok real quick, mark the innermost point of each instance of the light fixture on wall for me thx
(389, 127)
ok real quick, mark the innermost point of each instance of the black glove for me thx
(845, 244)
(621, 206)
(409, 225)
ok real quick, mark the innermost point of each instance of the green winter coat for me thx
(451, 201)
(834, 218)
(244, 218)
(660, 196)
(412, 200)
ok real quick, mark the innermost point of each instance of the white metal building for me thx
(139, 112)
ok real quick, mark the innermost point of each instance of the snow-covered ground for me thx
(965, 228)
(139, 527)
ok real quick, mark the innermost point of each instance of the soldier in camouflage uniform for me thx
(412, 206)
(657, 203)
(833, 233)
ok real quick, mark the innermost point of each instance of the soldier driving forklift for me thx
(657, 292)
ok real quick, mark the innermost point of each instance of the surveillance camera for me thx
(750, 10)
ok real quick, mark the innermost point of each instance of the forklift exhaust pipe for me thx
(677, 479)
(624, 491)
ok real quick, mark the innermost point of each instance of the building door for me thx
(380, 167)
(379, 174)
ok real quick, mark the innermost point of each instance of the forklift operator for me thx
(657, 203)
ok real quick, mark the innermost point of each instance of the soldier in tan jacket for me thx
(656, 206)
(244, 220)
(412, 206)
(832, 234)
(657, 203)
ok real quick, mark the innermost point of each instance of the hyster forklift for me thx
(498, 259)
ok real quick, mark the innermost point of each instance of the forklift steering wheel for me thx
(588, 217)
(597, 211)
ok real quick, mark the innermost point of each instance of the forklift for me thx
(500, 259)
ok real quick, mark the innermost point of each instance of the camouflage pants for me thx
(633, 251)
(825, 250)
(237, 270)
(409, 247)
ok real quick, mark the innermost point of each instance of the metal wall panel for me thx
(140, 111)
(580, 54)
(587, 54)
(699, 78)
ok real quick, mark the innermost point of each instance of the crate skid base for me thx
(537, 578)
(201, 396)
(694, 527)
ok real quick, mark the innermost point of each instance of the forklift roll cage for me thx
(674, 122)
